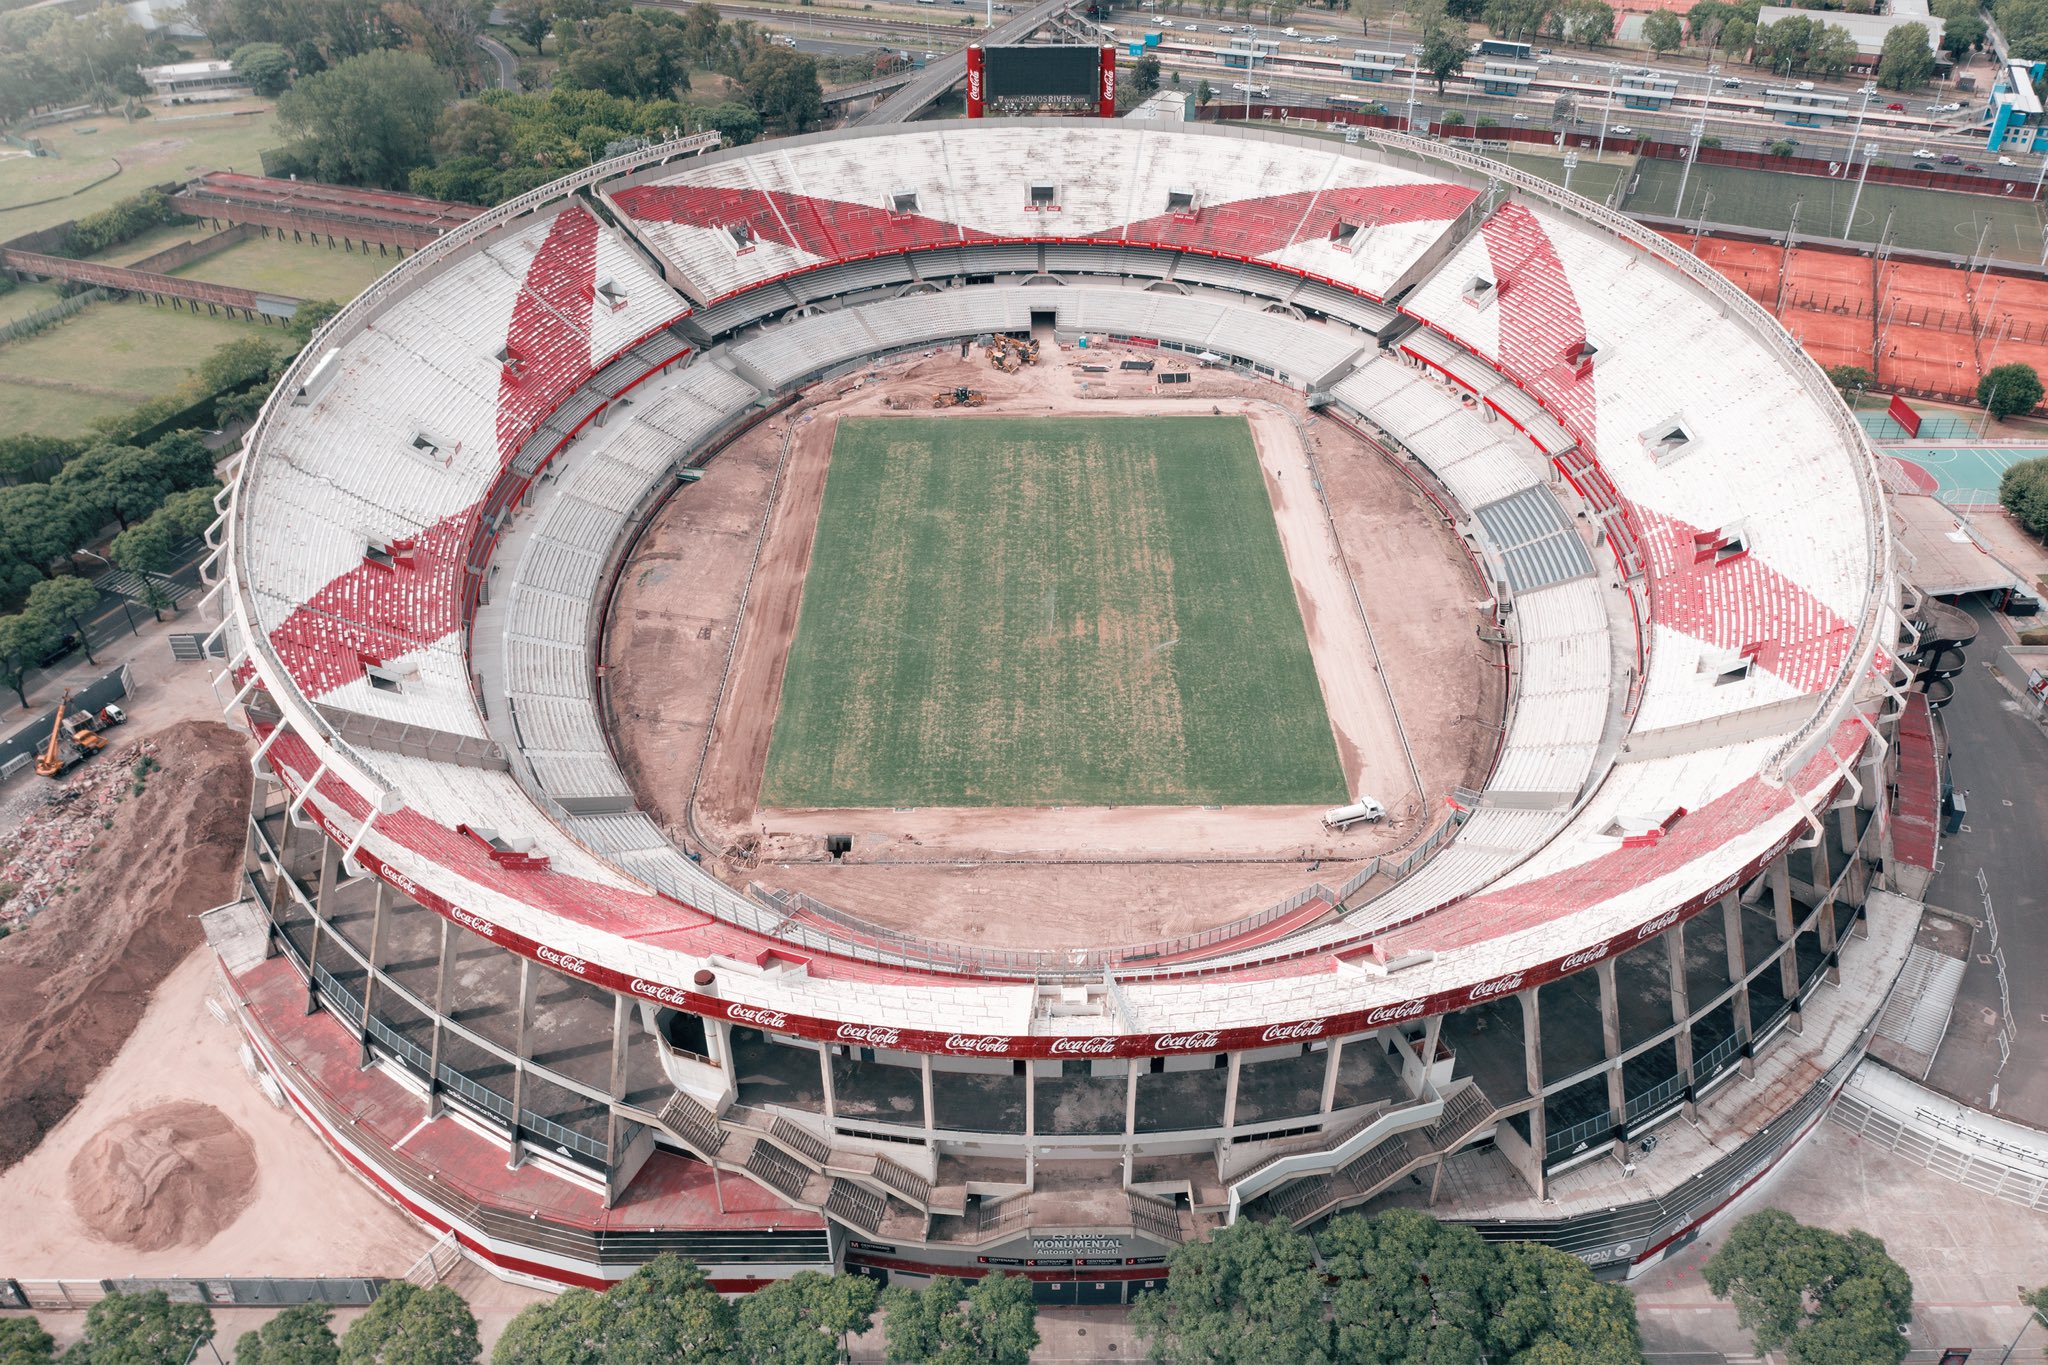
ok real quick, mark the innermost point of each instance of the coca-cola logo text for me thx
(1280, 1033)
(1500, 985)
(961, 1043)
(654, 990)
(760, 1018)
(1585, 957)
(1657, 925)
(471, 922)
(564, 961)
(1184, 1042)
(1388, 1014)
(1083, 1047)
(874, 1035)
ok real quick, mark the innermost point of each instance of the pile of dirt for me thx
(75, 980)
(174, 1175)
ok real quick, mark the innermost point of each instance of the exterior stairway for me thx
(1309, 1197)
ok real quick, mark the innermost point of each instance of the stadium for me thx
(709, 800)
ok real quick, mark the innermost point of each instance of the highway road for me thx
(950, 69)
(508, 64)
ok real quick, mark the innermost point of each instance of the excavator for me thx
(962, 397)
(1008, 354)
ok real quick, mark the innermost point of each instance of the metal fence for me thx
(255, 1291)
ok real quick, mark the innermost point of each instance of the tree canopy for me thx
(1400, 1287)
(138, 1329)
(24, 1342)
(2023, 491)
(368, 121)
(804, 1320)
(782, 86)
(633, 56)
(297, 1336)
(1823, 1297)
(991, 1320)
(407, 1325)
(1906, 61)
(2009, 390)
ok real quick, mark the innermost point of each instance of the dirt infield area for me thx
(78, 976)
(1413, 697)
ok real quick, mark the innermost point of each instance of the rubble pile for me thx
(46, 846)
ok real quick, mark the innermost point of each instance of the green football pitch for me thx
(1005, 611)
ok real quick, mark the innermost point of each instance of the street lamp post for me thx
(1607, 110)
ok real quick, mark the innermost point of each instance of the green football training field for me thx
(1006, 611)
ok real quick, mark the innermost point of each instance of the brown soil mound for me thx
(75, 980)
(170, 1176)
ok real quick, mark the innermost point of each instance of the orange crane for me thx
(52, 761)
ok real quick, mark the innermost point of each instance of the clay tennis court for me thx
(1932, 330)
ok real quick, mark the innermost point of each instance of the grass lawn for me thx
(287, 267)
(1005, 611)
(24, 299)
(173, 145)
(106, 359)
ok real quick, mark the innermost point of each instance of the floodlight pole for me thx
(1857, 198)
(1699, 129)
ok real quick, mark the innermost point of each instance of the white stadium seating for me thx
(1743, 563)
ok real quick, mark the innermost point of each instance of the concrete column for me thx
(251, 841)
(925, 1084)
(1781, 907)
(1824, 880)
(522, 1044)
(1131, 1100)
(1332, 1060)
(1532, 1070)
(615, 1088)
(825, 1071)
(1610, 1038)
(444, 978)
(323, 906)
(1230, 1090)
(378, 922)
(1847, 816)
(280, 884)
(1738, 972)
(1030, 1106)
(1681, 1010)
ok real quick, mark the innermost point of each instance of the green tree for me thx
(1443, 56)
(1906, 61)
(1850, 378)
(408, 1325)
(1663, 31)
(131, 1329)
(946, 1323)
(23, 1340)
(369, 120)
(568, 1329)
(1246, 1295)
(532, 22)
(1204, 92)
(1545, 1308)
(27, 458)
(1738, 35)
(309, 318)
(38, 523)
(25, 641)
(1962, 32)
(805, 1319)
(1144, 78)
(782, 86)
(2009, 390)
(737, 123)
(297, 1336)
(632, 57)
(266, 66)
(1408, 1288)
(1812, 1292)
(66, 602)
(147, 550)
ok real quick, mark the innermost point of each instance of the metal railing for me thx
(1656, 1098)
(1569, 1139)
(1715, 1059)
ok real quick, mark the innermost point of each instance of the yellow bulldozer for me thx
(962, 397)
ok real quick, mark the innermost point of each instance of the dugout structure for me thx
(471, 960)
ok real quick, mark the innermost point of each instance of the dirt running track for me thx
(672, 627)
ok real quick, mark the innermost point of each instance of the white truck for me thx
(1364, 808)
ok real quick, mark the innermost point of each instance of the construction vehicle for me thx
(55, 760)
(1008, 354)
(962, 397)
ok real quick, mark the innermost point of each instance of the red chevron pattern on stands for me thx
(832, 229)
(825, 228)
(374, 612)
(1540, 322)
(1259, 227)
(1743, 605)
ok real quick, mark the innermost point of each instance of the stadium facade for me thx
(498, 989)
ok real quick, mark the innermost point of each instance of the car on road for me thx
(2007, 161)
(1951, 159)
(1945, 109)
(1926, 152)
(1622, 130)
(1731, 83)
(1973, 169)
(1923, 165)
(1521, 118)
(1895, 108)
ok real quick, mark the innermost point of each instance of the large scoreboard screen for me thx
(1041, 72)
